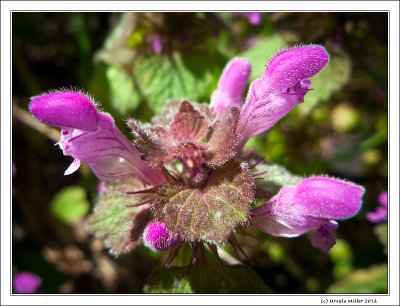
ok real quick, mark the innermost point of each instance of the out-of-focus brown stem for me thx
(27, 118)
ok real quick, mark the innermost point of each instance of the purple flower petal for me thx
(68, 109)
(278, 217)
(26, 282)
(156, 43)
(314, 203)
(291, 66)
(282, 87)
(328, 198)
(383, 198)
(378, 216)
(254, 18)
(73, 167)
(158, 238)
(91, 136)
(231, 85)
(381, 212)
(323, 239)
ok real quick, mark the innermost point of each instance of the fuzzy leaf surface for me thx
(159, 145)
(189, 124)
(206, 279)
(209, 213)
(224, 139)
(173, 137)
(120, 226)
(172, 108)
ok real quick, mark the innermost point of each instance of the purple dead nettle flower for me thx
(254, 18)
(156, 43)
(314, 204)
(26, 282)
(381, 212)
(185, 177)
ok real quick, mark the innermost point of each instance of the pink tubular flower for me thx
(254, 18)
(381, 213)
(26, 282)
(283, 86)
(314, 204)
(231, 85)
(91, 136)
(158, 238)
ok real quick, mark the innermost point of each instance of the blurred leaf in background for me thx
(261, 52)
(124, 95)
(70, 204)
(163, 79)
(371, 280)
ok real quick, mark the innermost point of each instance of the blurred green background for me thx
(340, 130)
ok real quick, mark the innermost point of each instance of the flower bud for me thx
(231, 85)
(158, 238)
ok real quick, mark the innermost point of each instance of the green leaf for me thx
(124, 96)
(163, 78)
(371, 280)
(342, 257)
(210, 213)
(260, 54)
(332, 78)
(205, 279)
(114, 221)
(70, 204)
(341, 252)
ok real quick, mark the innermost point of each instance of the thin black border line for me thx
(144, 294)
(200, 11)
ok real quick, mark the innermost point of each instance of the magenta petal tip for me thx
(231, 85)
(295, 64)
(65, 109)
(329, 198)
